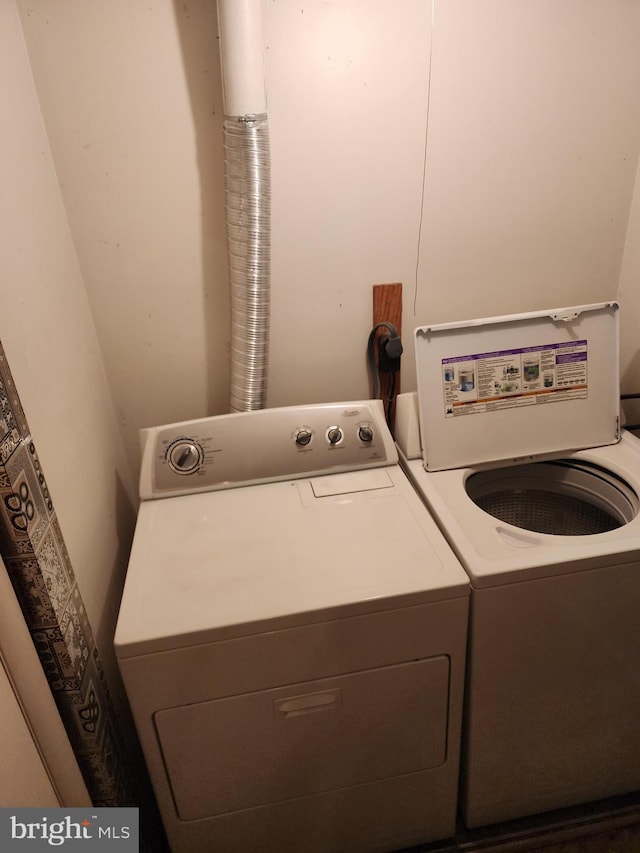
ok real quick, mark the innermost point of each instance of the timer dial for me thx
(365, 433)
(185, 456)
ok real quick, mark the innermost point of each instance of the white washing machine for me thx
(292, 636)
(549, 535)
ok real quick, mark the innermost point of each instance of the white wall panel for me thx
(47, 331)
(533, 117)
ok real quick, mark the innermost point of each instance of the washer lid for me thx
(518, 387)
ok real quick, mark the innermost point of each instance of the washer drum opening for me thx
(564, 497)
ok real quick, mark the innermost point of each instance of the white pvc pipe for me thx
(242, 56)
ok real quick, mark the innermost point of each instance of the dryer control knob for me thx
(334, 435)
(303, 436)
(365, 433)
(184, 456)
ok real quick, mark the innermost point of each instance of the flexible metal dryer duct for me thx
(248, 198)
(246, 146)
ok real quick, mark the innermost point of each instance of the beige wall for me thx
(47, 331)
(131, 98)
(38, 767)
(629, 294)
(630, 299)
(533, 117)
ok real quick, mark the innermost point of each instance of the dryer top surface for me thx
(217, 565)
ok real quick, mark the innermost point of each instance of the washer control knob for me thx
(303, 436)
(334, 435)
(185, 456)
(365, 433)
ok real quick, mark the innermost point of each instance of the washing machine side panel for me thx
(553, 694)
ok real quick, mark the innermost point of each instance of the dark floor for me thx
(608, 826)
(616, 841)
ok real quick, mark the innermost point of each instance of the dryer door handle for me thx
(308, 703)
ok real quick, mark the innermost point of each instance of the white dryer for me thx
(514, 442)
(292, 636)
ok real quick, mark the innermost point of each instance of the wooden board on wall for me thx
(387, 308)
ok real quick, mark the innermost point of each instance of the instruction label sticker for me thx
(530, 376)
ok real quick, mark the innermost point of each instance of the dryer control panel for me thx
(247, 448)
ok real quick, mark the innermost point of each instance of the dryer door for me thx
(273, 745)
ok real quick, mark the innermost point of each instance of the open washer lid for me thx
(518, 387)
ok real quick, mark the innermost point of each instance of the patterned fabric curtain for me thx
(33, 549)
